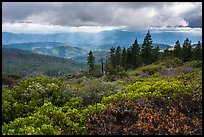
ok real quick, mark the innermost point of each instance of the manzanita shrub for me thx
(142, 117)
(24, 98)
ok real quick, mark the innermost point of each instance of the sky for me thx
(51, 17)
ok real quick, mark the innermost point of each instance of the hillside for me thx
(164, 98)
(77, 54)
(61, 51)
(30, 45)
(66, 51)
(29, 64)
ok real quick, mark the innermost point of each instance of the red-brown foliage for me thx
(144, 118)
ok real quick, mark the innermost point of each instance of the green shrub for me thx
(23, 98)
(151, 69)
(194, 64)
(115, 73)
(175, 62)
(10, 79)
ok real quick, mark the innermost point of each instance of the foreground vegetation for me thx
(161, 98)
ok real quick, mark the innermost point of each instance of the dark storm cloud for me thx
(195, 22)
(13, 11)
(109, 14)
(194, 16)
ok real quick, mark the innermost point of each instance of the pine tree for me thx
(91, 61)
(197, 52)
(177, 50)
(123, 59)
(136, 61)
(146, 51)
(156, 54)
(118, 55)
(187, 50)
(129, 58)
(112, 60)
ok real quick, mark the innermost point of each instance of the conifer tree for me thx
(177, 50)
(155, 54)
(118, 55)
(187, 50)
(91, 61)
(146, 51)
(136, 61)
(112, 57)
(123, 59)
(197, 52)
(129, 58)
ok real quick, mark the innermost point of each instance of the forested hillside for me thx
(61, 51)
(31, 45)
(25, 63)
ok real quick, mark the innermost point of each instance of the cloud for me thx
(195, 22)
(46, 29)
(130, 14)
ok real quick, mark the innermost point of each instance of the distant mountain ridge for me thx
(30, 45)
(96, 41)
(77, 45)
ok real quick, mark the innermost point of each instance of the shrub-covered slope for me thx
(148, 101)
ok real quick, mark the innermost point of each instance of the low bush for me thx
(175, 62)
(151, 69)
(115, 74)
(193, 64)
(126, 117)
